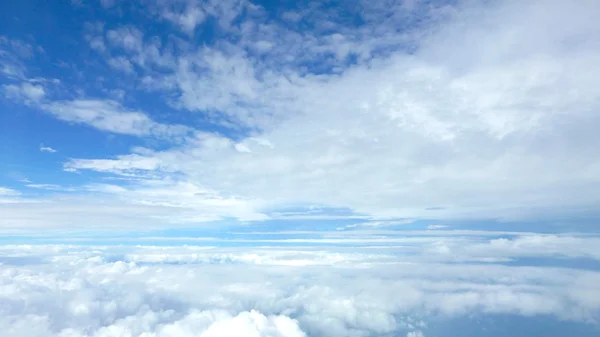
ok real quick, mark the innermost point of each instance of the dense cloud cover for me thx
(149, 291)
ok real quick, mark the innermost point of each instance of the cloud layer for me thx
(169, 291)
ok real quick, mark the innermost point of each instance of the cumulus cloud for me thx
(106, 291)
(208, 323)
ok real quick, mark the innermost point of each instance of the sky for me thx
(299, 168)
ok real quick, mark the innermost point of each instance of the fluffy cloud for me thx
(215, 323)
(478, 121)
(106, 291)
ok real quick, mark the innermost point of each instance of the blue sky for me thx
(299, 168)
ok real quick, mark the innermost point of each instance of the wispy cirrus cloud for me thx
(111, 116)
(5, 191)
(12, 54)
(51, 187)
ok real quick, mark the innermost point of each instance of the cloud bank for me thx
(147, 291)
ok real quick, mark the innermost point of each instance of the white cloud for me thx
(421, 112)
(118, 94)
(122, 64)
(12, 54)
(145, 202)
(376, 224)
(22, 49)
(47, 149)
(97, 44)
(26, 92)
(127, 38)
(187, 20)
(477, 122)
(108, 115)
(73, 213)
(122, 164)
(4, 191)
(71, 291)
(537, 245)
(221, 323)
(51, 187)
(437, 226)
(416, 333)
